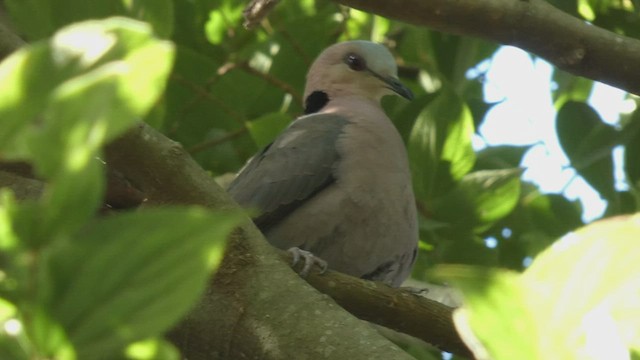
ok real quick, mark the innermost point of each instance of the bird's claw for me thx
(309, 261)
(422, 292)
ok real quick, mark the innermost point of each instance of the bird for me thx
(335, 186)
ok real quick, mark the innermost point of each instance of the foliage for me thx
(230, 91)
(578, 300)
(74, 286)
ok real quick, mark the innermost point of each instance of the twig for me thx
(256, 11)
(217, 141)
(203, 93)
(271, 80)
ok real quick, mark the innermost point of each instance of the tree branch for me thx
(256, 307)
(533, 25)
(397, 309)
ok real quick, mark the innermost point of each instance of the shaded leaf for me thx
(631, 151)
(264, 129)
(553, 213)
(500, 157)
(41, 18)
(588, 142)
(158, 13)
(131, 276)
(480, 199)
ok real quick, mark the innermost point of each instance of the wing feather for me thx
(295, 167)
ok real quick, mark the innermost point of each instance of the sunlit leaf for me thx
(480, 199)
(578, 300)
(152, 349)
(570, 87)
(11, 331)
(604, 254)
(221, 20)
(496, 308)
(62, 100)
(440, 141)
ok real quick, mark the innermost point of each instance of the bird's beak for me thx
(394, 85)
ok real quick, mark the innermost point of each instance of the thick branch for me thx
(256, 307)
(397, 309)
(533, 25)
(23, 187)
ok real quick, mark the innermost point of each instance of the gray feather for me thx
(295, 167)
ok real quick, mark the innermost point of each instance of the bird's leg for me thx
(416, 290)
(309, 261)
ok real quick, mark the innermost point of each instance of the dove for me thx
(335, 186)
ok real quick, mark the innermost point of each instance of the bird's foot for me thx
(416, 291)
(309, 261)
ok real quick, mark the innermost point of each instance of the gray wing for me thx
(295, 167)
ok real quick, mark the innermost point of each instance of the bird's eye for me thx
(355, 62)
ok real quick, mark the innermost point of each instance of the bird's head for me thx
(353, 68)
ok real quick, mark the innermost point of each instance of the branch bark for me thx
(533, 25)
(256, 307)
(397, 309)
(255, 294)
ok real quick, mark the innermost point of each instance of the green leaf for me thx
(152, 349)
(62, 100)
(131, 276)
(578, 300)
(570, 87)
(480, 199)
(45, 334)
(41, 18)
(631, 149)
(597, 313)
(83, 55)
(158, 13)
(588, 142)
(500, 157)
(552, 213)
(440, 141)
(9, 240)
(10, 333)
(221, 19)
(264, 129)
(466, 248)
(33, 17)
(495, 312)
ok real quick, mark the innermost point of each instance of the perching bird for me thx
(336, 182)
